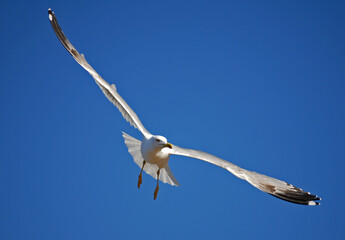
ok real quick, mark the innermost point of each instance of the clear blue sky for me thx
(258, 83)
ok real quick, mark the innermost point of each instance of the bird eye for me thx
(157, 140)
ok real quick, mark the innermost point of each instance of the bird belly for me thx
(156, 157)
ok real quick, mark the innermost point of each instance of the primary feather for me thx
(108, 90)
(265, 183)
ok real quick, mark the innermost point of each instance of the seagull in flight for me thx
(153, 152)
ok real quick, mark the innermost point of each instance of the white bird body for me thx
(153, 152)
(156, 157)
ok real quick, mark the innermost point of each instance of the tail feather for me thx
(170, 177)
(134, 147)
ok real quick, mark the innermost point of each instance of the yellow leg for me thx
(157, 188)
(140, 180)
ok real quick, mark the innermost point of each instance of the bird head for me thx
(160, 142)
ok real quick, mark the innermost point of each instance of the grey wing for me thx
(109, 90)
(275, 187)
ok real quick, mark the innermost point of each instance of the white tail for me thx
(134, 146)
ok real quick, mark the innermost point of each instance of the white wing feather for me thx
(108, 90)
(266, 184)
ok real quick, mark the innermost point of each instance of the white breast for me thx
(154, 155)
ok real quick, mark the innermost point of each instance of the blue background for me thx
(258, 83)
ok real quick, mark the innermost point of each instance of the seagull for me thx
(153, 152)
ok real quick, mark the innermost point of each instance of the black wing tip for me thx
(304, 199)
(314, 198)
(50, 14)
(291, 194)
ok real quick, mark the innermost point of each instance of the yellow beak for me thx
(168, 145)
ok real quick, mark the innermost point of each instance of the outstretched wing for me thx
(275, 187)
(108, 90)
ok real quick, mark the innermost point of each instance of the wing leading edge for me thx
(109, 90)
(273, 186)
